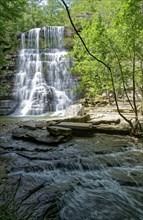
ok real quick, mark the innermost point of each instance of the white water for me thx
(43, 82)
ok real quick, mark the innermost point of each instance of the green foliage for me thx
(83, 6)
(11, 11)
(52, 14)
(113, 34)
(4, 90)
(21, 15)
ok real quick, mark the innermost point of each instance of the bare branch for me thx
(76, 31)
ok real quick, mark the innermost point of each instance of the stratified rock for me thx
(57, 130)
(74, 111)
(7, 106)
(78, 129)
(74, 125)
(38, 136)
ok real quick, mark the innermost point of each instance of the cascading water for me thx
(43, 82)
(98, 178)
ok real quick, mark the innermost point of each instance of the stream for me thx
(86, 178)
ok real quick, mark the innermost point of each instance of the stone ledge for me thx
(75, 125)
(57, 130)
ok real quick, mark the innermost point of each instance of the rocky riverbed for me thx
(69, 177)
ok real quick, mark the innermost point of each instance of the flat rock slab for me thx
(57, 130)
(110, 128)
(75, 125)
(105, 121)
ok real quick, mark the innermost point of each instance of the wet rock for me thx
(4, 169)
(43, 183)
(57, 130)
(127, 177)
(38, 136)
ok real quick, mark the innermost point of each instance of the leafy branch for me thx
(107, 66)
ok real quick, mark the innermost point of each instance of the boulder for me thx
(74, 111)
(79, 119)
(57, 130)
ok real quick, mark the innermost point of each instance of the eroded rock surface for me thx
(74, 180)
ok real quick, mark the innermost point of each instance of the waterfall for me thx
(43, 82)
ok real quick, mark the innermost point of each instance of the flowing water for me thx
(43, 82)
(98, 178)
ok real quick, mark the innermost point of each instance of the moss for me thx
(5, 90)
(68, 43)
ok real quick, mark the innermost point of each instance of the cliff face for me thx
(7, 75)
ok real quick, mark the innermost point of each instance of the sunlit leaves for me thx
(113, 34)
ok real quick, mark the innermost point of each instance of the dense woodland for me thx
(107, 54)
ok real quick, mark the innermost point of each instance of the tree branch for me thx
(76, 31)
(102, 62)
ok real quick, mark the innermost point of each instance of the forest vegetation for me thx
(112, 31)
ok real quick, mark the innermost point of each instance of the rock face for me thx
(7, 106)
(7, 75)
